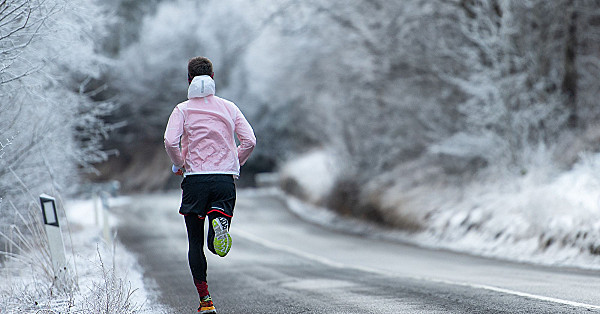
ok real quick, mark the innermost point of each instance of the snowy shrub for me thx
(111, 294)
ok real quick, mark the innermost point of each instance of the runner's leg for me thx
(222, 204)
(196, 258)
(211, 232)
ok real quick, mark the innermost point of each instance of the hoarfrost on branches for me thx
(46, 114)
(383, 83)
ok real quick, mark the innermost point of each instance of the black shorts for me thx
(208, 193)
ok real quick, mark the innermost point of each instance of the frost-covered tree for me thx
(504, 56)
(583, 60)
(49, 127)
(126, 20)
(516, 64)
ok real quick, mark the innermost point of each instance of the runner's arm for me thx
(245, 134)
(173, 137)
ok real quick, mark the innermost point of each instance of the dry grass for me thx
(111, 295)
(30, 285)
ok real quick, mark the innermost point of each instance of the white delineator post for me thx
(55, 239)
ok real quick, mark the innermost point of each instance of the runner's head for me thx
(199, 66)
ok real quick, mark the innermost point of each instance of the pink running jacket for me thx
(204, 128)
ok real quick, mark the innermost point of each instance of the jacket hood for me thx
(201, 86)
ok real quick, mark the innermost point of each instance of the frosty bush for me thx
(110, 295)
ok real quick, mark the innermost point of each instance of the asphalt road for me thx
(281, 264)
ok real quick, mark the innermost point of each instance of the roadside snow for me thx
(544, 216)
(315, 172)
(101, 272)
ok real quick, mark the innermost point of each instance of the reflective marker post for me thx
(55, 239)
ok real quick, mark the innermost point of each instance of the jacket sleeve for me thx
(173, 137)
(245, 135)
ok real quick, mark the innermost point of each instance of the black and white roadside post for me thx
(55, 239)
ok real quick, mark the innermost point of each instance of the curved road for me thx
(281, 264)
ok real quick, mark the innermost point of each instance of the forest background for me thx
(447, 118)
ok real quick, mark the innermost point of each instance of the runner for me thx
(200, 141)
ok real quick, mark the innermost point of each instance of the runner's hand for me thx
(177, 171)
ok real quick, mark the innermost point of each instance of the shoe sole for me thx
(212, 311)
(222, 241)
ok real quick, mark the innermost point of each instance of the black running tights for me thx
(195, 231)
(196, 258)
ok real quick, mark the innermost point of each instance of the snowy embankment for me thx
(104, 278)
(543, 216)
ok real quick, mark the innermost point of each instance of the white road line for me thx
(280, 247)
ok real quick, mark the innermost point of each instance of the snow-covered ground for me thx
(104, 274)
(544, 216)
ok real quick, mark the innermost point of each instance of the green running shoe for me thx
(222, 241)
(206, 305)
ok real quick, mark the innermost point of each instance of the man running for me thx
(200, 141)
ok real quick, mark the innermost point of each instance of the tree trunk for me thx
(569, 84)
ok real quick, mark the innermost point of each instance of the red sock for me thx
(202, 288)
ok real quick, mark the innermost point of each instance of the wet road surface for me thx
(281, 264)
